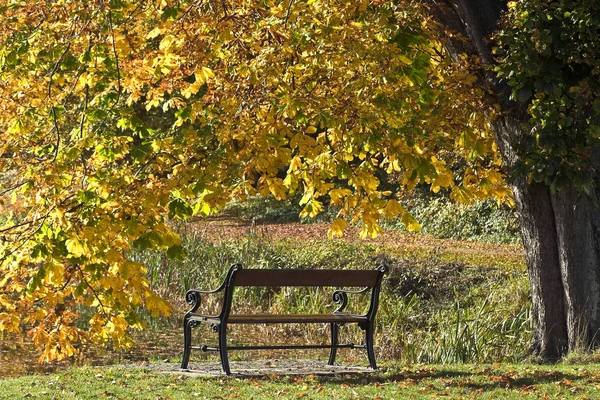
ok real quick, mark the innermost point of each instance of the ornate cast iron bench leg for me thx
(187, 342)
(223, 348)
(335, 327)
(369, 342)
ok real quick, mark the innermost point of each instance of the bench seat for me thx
(284, 318)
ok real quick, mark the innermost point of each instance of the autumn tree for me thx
(118, 116)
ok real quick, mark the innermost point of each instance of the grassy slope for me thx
(416, 382)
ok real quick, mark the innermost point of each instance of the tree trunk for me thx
(578, 251)
(560, 230)
(538, 230)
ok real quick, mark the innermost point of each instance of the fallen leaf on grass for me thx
(523, 390)
(501, 378)
(319, 389)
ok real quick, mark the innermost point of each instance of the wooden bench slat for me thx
(293, 318)
(282, 318)
(309, 277)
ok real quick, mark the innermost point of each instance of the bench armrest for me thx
(193, 296)
(340, 297)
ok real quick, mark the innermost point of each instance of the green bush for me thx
(481, 221)
(265, 209)
(268, 210)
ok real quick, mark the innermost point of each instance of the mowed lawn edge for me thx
(458, 381)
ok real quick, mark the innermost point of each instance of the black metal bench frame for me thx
(368, 280)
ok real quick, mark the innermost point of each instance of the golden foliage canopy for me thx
(117, 116)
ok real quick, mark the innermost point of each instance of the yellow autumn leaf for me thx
(393, 209)
(75, 247)
(370, 229)
(157, 306)
(277, 188)
(206, 74)
(337, 195)
(337, 228)
(295, 164)
(9, 322)
(312, 209)
(167, 236)
(462, 195)
(410, 223)
(155, 32)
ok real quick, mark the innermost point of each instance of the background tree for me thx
(545, 79)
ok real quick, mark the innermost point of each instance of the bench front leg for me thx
(335, 328)
(222, 330)
(369, 328)
(187, 341)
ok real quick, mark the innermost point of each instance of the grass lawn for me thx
(458, 381)
(460, 304)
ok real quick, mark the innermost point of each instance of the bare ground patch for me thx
(219, 227)
(258, 368)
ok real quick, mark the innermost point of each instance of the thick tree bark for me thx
(578, 250)
(560, 230)
(538, 230)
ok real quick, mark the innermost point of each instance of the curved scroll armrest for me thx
(340, 297)
(193, 296)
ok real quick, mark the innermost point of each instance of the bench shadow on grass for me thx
(479, 379)
(486, 379)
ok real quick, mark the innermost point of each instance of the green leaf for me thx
(524, 94)
(178, 208)
(176, 252)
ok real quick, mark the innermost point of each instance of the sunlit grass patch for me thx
(394, 381)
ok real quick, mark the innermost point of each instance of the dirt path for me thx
(257, 368)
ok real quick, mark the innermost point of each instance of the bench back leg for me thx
(335, 327)
(223, 348)
(369, 342)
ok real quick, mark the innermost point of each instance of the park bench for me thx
(367, 280)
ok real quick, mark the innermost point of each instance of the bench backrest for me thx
(310, 277)
(369, 280)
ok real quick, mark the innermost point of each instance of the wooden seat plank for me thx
(293, 318)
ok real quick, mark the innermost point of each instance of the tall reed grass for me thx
(430, 311)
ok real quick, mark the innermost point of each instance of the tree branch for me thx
(114, 48)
